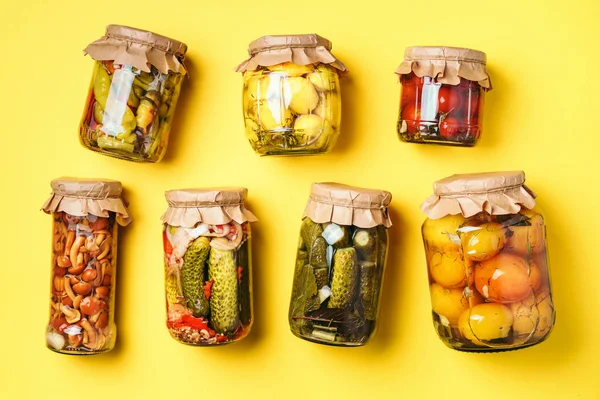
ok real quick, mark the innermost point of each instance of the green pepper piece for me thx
(108, 142)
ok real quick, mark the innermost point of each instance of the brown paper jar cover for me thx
(446, 64)
(497, 193)
(297, 49)
(348, 205)
(80, 197)
(214, 206)
(130, 46)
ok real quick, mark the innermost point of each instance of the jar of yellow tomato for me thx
(291, 95)
(85, 218)
(487, 258)
(131, 101)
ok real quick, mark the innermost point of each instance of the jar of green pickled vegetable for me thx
(132, 97)
(340, 264)
(207, 257)
(291, 96)
(485, 246)
(85, 216)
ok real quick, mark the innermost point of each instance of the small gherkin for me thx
(172, 288)
(224, 293)
(192, 276)
(345, 277)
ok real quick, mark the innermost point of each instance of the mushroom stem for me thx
(73, 253)
(105, 249)
(91, 334)
(71, 314)
(67, 287)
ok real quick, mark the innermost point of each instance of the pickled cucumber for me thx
(310, 231)
(344, 280)
(364, 241)
(301, 261)
(192, 276)
(322, 276)
(224, 295)
(244, 296)
(172, 288)
(368, 288)
(318, 253)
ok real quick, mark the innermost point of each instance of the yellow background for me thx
(542, 117)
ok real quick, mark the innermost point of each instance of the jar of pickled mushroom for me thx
(340, 264)
(85, 214)
(208, 266)
(132, 97)
(485, 244)
(291, 95)
(442, 95)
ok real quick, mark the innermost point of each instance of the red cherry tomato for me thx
(449, 127)
(449, 99)
(412, 116)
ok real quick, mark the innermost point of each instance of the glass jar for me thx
(291, 95)
(208, 266)
(84, 264)
(488, 266)
(131, 102)
(340, 264)
(443, 90)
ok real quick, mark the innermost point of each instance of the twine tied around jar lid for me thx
(348, 205)
(214, 206)
(80, 197)
(130, 46)
(497, 193)
(298, 49)
(446, 64)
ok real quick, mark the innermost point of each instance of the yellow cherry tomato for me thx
(487, 321)
(447, 303)
(526, 240)
(526, 316)
(324, 78)
(505, 278)
(448, 269)
(291, 69)
(483, 242)
(300, 95)
(309, 124)
(442, 234)
(546, 310)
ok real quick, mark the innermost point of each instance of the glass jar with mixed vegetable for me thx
(207, 257)
(84, 262)
(442, 97)
(132, 97)
(340, 264)
(488, 266)
(291, 95)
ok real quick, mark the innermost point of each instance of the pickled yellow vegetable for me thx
(323, 78)
(483, 242)
(448, 269)
(527, 240)
(309, 124)
(526, 316)
(301, 95)
(487, 321)
(449, 304)
(546, 311)
(442, 234)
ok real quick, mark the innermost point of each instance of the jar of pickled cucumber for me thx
(340, 264)
(131, 102)
(442, 95)
(208, 265)
(291, 96)
(487, 258)
(85, 214)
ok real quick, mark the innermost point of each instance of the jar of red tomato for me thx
(443, 89)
